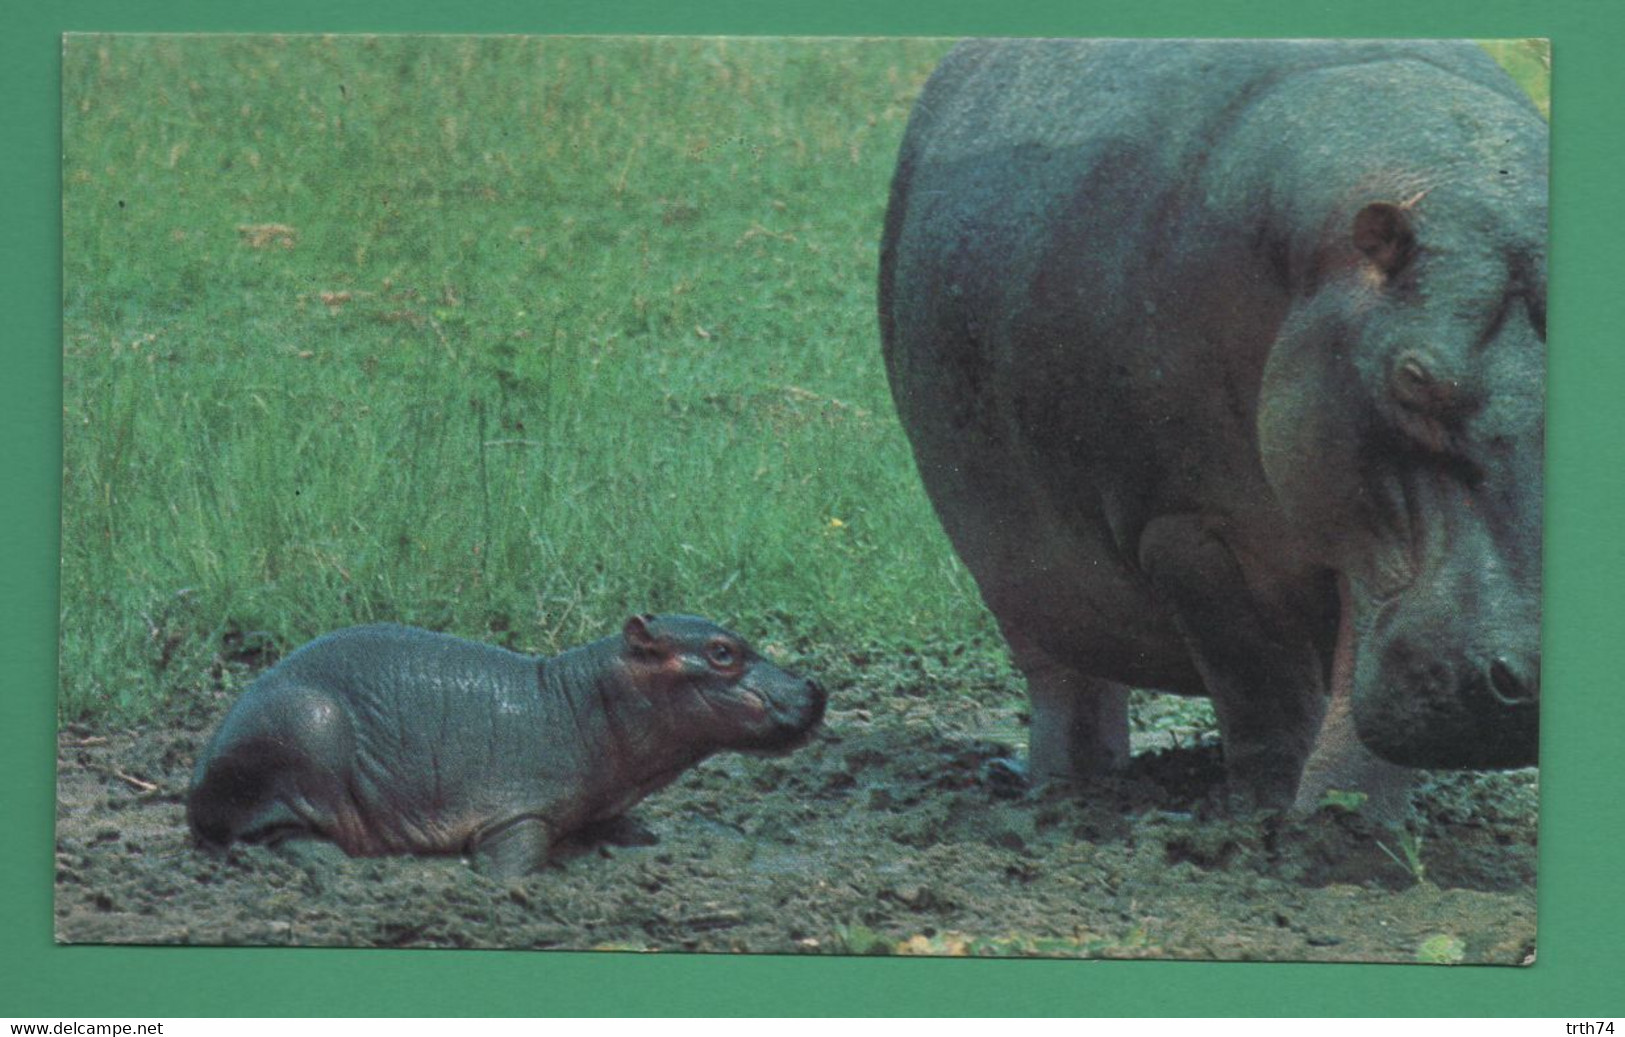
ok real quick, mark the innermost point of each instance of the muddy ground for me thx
(894, 831)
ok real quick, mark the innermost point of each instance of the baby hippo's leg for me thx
(513, 849)
(620, 830)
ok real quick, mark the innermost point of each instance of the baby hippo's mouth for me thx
(793, 716)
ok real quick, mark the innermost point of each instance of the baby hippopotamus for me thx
(393, 740)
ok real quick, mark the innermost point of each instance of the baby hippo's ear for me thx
(638, 636)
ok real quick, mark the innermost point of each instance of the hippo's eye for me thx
(721, 654)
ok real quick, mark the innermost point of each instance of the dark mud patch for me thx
(897, 830)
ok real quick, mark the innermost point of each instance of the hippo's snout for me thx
(794, 710)
(813, 702)
(1421, 708)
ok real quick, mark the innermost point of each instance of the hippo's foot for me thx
(310, 854)
(622, 830)
(1006, 777)
(1260, 781)
(513, 850)
(273, 825)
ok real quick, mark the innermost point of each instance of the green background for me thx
(1582, 907)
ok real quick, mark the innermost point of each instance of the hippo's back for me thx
(407, 664)
(1084, 197)
(412, 696)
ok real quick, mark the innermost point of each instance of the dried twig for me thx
(139, 784)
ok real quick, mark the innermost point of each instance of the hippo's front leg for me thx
(620, 830)
(512, 849)
(1265, 693)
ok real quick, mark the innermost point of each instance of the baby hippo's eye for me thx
(722, 655)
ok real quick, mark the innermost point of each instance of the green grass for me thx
(1529, 62)
(507, 337)
(504, 337)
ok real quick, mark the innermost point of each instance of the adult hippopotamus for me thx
(392, 740)
(1223, 364)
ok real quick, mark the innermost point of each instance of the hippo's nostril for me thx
(1507, 685)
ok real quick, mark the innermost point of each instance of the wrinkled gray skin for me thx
(393, 740)
(1223, 364)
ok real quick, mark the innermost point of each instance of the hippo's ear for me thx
(1382, 230)
(638, 635)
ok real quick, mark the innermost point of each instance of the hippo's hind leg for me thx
(1079, 722)
(277, 771)
(250, 794)
(228, 793)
